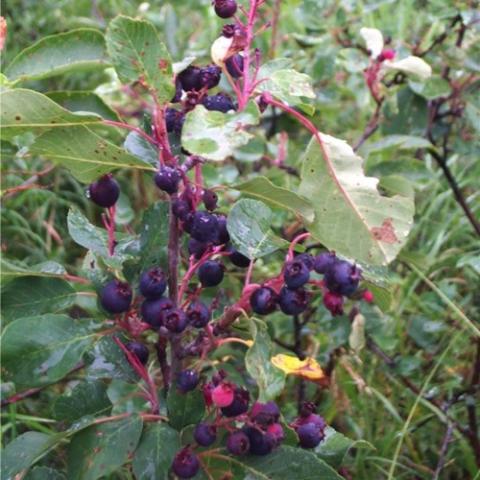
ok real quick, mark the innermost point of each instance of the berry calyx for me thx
(210, 273)
(263, 301)
(153, 283)
(152, 311)
(307, 259)
(220, 102)
(139, 350)
(223, 395)
(342, 277)
(187, 380)
(167, 179)
(333, 302)
(198, 314)
(204, 226)
(116, 296)
(323, 262)
(210, 199)
(174, 319)
(104, 192)
(239, 406)
(238, 443)
(205, 434)
(185, 464)
(225, 8)
(296, 274)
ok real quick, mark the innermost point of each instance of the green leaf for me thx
(351, 217)
(86, 398)
(399, 142)
(44, 473)
(24, 451)
(87, 155)
(141, 148)
(25, 110)
(10, 271)
(154, 236)
(270, 379)
(40, 350)
(138, 55)
(102, 449)
(155, 452)
(335, 446)
(249, 224)
(277, 197)
(434, 87)
(77, 50)
(126, 397)
(29, 296)
(184, 408)
(215, 135)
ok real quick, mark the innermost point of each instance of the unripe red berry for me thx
(333, 302)
(222, 395)
(368, 296)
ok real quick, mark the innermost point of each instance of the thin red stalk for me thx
(165, 154)
(248, 276)
(108, 220)
(296, 240)
(132, 128)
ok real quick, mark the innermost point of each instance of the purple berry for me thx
(167, 179)
(205, 434)
(181, 208)
(174, 319)
(323, 262)
(277, 433)
(238, 443)
(190, 78)
(238, 259)
(185, 464)
(265, 413)
(210, 273)
(178, 92)
(116, 296)
(153, 283)
(204, 226)
(234, 65)
(198, 314)
(196, 248)
(223, 236)
(342, 277)
(296, 274)
(293, 302)
(220, 102)
(333, 302)
(105, 191)
(263, 301)
(307, 259)
(309, 435)
(187, 380)
(139, 350)
(210, 76)
(260, 443)
(210, 199)
(174, 120)
(241, 400)
(152, 311)
(313, 418)
(225, 8)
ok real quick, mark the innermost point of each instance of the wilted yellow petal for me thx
(308, 368)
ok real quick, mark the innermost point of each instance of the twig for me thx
(443, 452)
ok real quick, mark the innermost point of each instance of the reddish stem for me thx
(133, 129)
(108, 220)
(296, 240)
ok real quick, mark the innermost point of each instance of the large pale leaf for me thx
(215, 135)
(101, 449)
(277, 197)
(270, 379)
(373, 40)
(25, 110)
(155, 452)
(138, 56)
(351, 217)
(249, 225)
(87, 155)
(40, 350)
(411, 65)
(80, 49)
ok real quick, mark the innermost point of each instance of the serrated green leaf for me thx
(215, 135)
(141, 148)
(82, 49)
(138, 55)
(248, 224)
(102, 449)
(184, 408)
(277, 197)
(41, 350)
(351, 217)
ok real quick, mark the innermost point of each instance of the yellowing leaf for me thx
(309, 369)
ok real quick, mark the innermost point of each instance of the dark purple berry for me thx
(223, 236)
(314, 419)
(307, 259)
(205, 434)
(309, 435)
(293, 302)
(174, 120)
(225, 8)
(220, 102)
(187, 380)
(260, 443)
(174, 319)
(152, 311)
(239, 259)
(263, 301)
(190, 78)
(234, 65)
(210, 76)
(296, 274)
(210, 273)
(153, 283)
(241, 400)
(238, 443)
(116, 296)
(323, 262)
(196, 248)
(342, 277)
(185, 464)
(181, 208)
(139, 350)
(105, 191)
(204, 226)
(167, 179)
(210, 199)
(178, 92)
(265, 413)
(198, 314)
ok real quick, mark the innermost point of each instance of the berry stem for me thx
(294, 242)
(165, 154)
(108, 220)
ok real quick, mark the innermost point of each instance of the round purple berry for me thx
(223, 236)
(323, 262)
(190, 78)
(234, 65)
(187, 380)
(152, 311)
(185, 464)
(210, 273)
(239, 406)
(307, 259)
(210, 199)
(181, 208)
(198, 314)
(225, 8)
(210, 76)
(293, 302)
(174, 319)
(174, 120)
(204, 226)
(153, 283)
(220, 102)
(238, 443)
(263, 301)
(296, 274)
(342, 277)
(139, 350)
(261, 443)
(116, 296)
(167, 179)
(265, 413)
(309, 435)
(205, 434)
(104, 192)
(196, 248)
